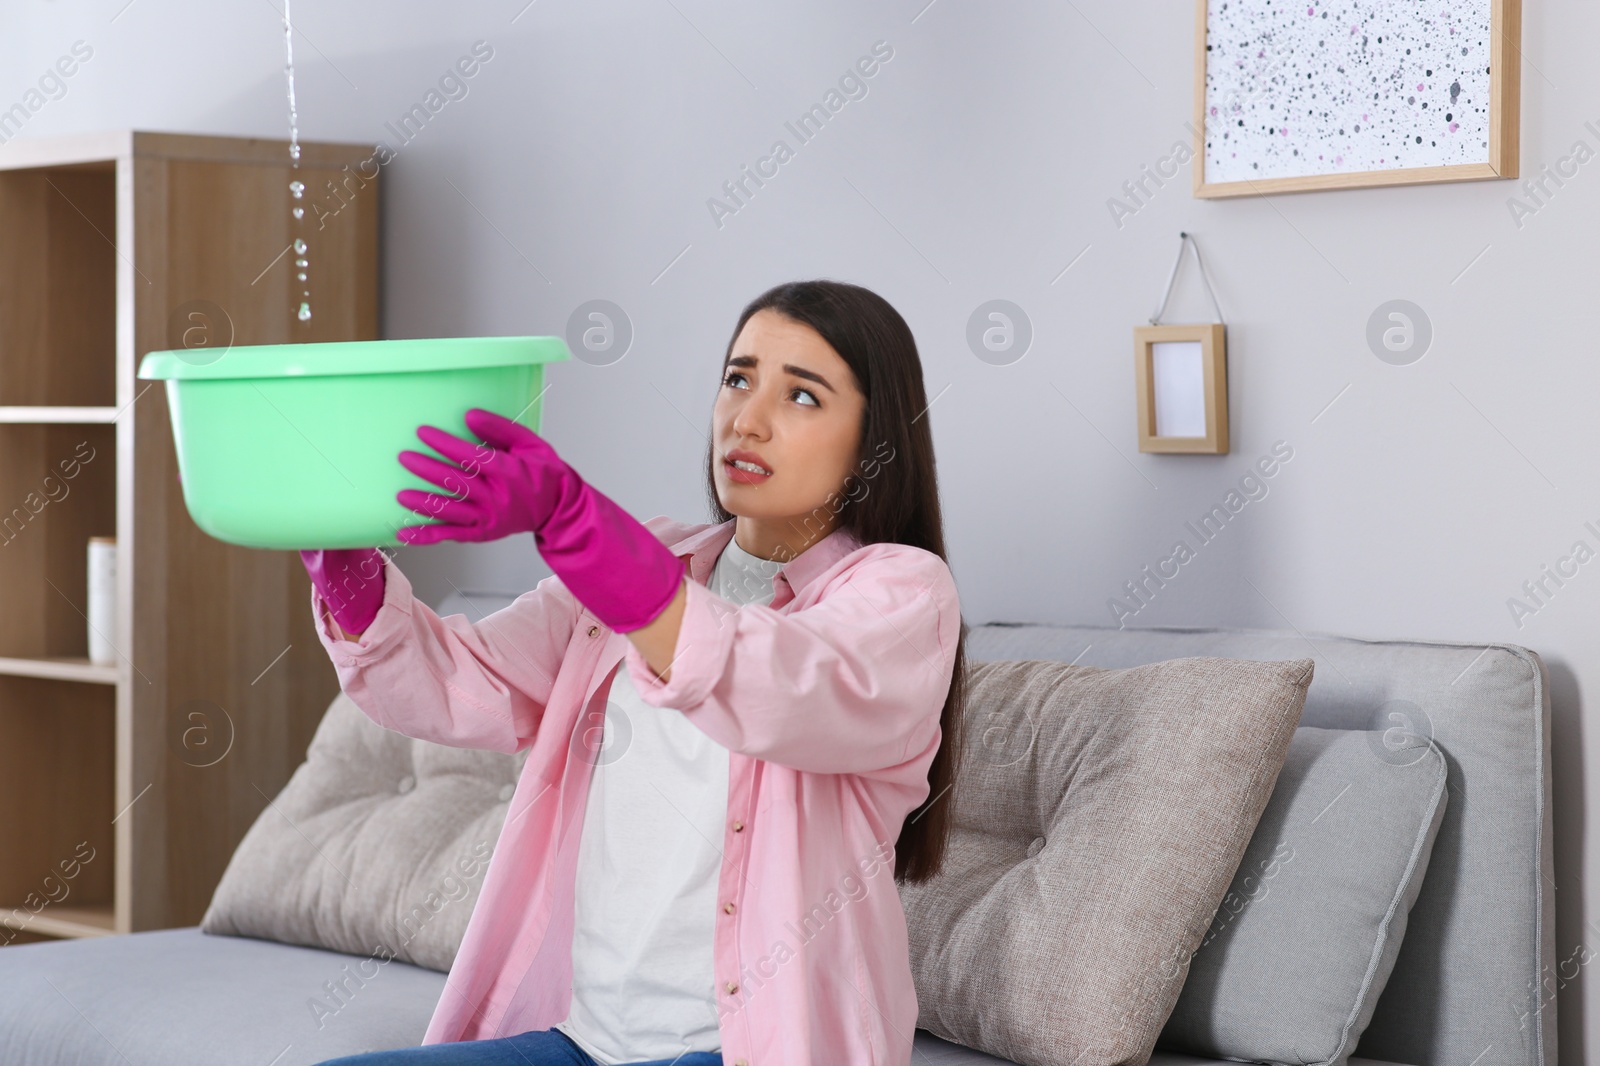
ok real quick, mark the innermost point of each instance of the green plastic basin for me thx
(296, 445)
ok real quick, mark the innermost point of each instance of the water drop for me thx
(299, 212)
(305, 312)
(302, 277)
(299, 246)
(298, 188)
(294, 151)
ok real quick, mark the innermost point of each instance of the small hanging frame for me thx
(1181, 376)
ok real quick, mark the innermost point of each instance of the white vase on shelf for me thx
(103, 600)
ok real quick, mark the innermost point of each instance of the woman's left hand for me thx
(508, 484)
(516, 483)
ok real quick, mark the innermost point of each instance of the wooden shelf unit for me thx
(125, 787)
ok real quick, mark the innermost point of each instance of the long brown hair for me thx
(877, 345)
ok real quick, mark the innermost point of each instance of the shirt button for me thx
(738, 826)
(593, 630)
(728, 907)
(732, 987)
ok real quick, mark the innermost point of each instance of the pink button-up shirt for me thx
(828, 700)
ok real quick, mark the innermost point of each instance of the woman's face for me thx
(791, 402)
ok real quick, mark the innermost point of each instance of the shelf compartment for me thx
(57, 489)
(57, 774)
(58, 286)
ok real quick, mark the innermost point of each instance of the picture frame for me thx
(1250, 56)
(1181, 388)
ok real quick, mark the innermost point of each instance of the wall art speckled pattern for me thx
(1295, 96)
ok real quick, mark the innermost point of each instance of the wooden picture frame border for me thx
(1505, 96)
(1214, 372)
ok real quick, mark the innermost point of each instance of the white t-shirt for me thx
(649, 857)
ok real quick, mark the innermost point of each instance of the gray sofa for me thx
(1469, 976)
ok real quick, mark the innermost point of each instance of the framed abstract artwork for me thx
(1300, 96)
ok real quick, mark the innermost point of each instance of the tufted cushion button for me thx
(1035, 847)
(407, 783)
(593, 630)
(507, 792)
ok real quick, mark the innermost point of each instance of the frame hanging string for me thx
(1186, 241)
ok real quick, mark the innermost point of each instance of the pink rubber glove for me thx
(514, 483)
(351, 580)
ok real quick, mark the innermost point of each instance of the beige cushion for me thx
(377, 846)
(1099, 818)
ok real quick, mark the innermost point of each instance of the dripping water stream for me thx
(297, 187)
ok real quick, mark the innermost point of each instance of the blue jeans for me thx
(546, 1047)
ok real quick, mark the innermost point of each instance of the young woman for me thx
(699, 865)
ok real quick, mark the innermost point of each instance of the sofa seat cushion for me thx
(180, 997)
(1099, 816)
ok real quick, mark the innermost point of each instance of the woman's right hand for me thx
(351, 580)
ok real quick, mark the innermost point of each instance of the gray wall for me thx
(978, 165)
